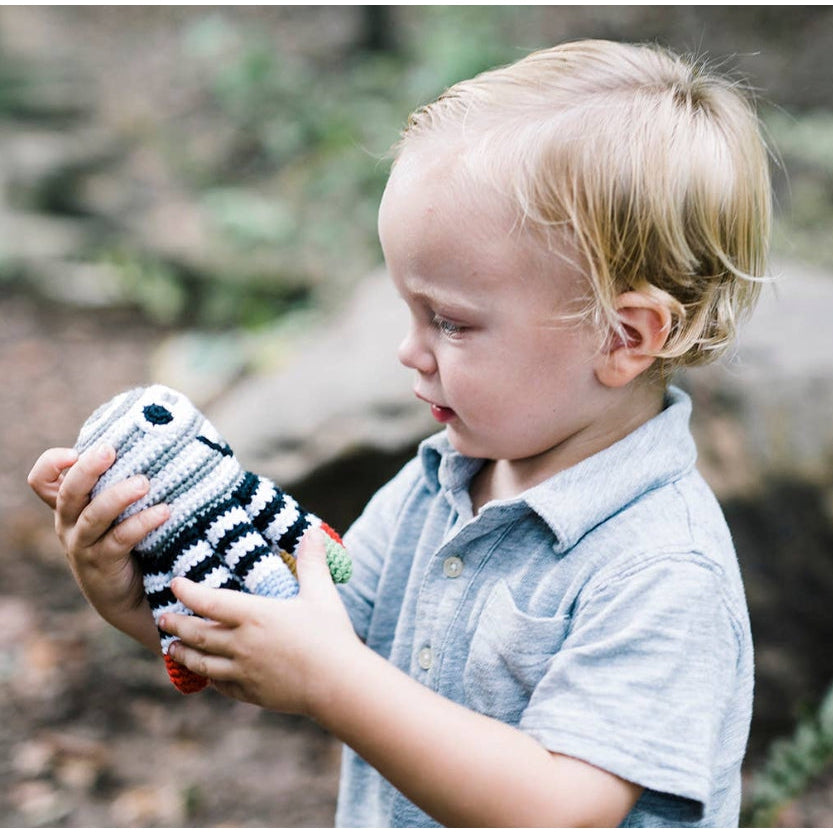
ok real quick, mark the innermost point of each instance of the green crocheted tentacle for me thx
(341, 567)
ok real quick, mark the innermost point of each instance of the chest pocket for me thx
(508, 657)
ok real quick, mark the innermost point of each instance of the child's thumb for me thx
(311, 563)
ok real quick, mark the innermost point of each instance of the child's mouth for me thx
(442, 414)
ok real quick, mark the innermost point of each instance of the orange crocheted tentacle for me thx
(183, 678)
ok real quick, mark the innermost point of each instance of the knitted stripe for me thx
(273, 511)
(246, 488)
(261, 498)
(269, 576)
(201, 503)
(275, 530)
(166, 549)
(104, 418)
(244, 550)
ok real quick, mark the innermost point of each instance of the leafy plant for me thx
(791, 766)
(303, 161)
(805, 213)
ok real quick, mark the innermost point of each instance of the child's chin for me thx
(466, 445)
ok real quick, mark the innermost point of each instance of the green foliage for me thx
(805, 216)
(279, 157)
(149, 285)
(302, 162)
(791, 766)
(248, 219)
(806, 139)
(457, 42)
(172, 296)
(30, 92)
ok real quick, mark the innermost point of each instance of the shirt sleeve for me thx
(641, 684)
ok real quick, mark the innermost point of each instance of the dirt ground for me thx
(91, 732)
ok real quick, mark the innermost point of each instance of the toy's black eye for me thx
(157, 414)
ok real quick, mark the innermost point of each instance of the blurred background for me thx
(188, 195)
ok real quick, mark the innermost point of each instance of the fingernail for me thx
(104, 450)
(312, 536)
(140, 483)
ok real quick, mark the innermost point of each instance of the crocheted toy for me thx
(228, 528)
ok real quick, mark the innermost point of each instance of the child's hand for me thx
(99, 553)
(278, 654)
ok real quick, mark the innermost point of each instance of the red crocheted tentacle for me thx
(332, 533)
(183, 678)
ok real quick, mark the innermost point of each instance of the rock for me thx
(78, 284)
(766, 411)
(201, 365)
(340, 413)
(763, 412)
(150, 805)
(44, 169)
(341, 393)
(29, 238)
(763, 425)
(342, 388)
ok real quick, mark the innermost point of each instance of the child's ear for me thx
(646, 322)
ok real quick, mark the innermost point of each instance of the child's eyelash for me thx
(446, 327)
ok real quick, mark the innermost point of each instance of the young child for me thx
(546, 624)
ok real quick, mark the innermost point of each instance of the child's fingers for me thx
(205, 664)
(132, 530)
(229, 607)
(313, 572)
(99, 514)
(46, 474)
(74, 492)
(205, 636)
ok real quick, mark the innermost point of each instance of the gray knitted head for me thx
(158, 432)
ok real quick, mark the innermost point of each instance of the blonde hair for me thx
(654, 166)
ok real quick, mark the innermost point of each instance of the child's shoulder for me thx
(674, 537)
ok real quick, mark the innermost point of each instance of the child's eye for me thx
(446, 327)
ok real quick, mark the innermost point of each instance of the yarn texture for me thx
(228, 528)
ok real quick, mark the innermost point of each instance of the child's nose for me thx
(415, 354)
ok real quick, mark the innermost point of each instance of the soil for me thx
(91, 731)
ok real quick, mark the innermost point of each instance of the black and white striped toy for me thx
(228, 528)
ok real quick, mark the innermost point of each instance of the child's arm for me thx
(462, 768)
(99, 553)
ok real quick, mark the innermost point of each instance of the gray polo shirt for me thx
(601, 612)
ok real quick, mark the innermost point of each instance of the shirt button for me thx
(452, 566)
(425, 658)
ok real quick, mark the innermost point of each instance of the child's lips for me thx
(442, 414)
(439, 412)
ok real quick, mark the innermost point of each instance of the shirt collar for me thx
(581, 497)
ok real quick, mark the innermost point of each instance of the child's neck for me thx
(506, 479)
